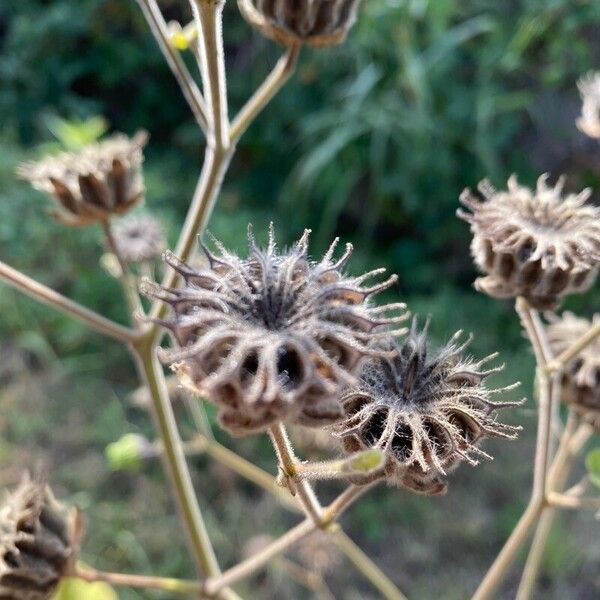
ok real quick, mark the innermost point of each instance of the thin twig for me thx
(576, 502)
(166, 584)
(280, 74)
(585, 340)
(48, 296)
(288, 465)
(495, 575)
(186, 82)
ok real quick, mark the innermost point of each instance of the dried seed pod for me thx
(581, 376)
(90, 186)
(426, 413)
(589, 121)
(139, 238)
(534, 244)
(313, 22)
(38, 536)
(318, 553)
(272, 337)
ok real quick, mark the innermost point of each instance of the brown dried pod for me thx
(90, 186)
(38, 538)
(426, 413)
(313, 22)
(581, 376)
(274, 336)
(140, 238)
(534, 244)
(589, 121)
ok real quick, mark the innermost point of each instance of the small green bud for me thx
(127, 453)
(367, 461)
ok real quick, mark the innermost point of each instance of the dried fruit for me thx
(534, 244)
(90, 186)
(314, 22)
(427, 413)
(274, 336)
(589, 121)
(139, 238)
(581, 376)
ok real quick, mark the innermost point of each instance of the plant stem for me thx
(282, 71)
(585, 340)
(175, 461)
(48, 296)
(167, 584)
(288, 464)
(186, 82)
(367, 567)
(495, 575)
(575, 502)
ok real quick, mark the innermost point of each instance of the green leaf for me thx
(72, 588)
(592, 463)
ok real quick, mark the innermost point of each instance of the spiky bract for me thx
(273, 336)
(102, 180)
(581, 376)
(427, 413)
(314, 22)
(37, 542)
(533, 243)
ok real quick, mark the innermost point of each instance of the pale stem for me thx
(340, 468)
(583, 342)
(289, 466)
(186, 82)
(342, 502)
(175, 462)
(49, 297)
(495, 575)
(280, 74)
(556, 476)
(208, 17)
(575, 502)
(167, 584)
(363, 563)
(126, 278)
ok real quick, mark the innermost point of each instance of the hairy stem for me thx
(175, 462)
(288, 464)
(186, 82)
(49, 297)
(166, 584)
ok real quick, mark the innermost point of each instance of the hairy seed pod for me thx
(38, 536)
(140, 238)
(534, 244)
(581, 376)
(90, 186)
(313, 22)
(426, 413)
(272, 337)
(589, 121)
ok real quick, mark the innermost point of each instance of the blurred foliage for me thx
(372, 140)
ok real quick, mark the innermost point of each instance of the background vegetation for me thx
(373, 141)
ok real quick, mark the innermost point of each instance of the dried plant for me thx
(589, 121)
(276, 337)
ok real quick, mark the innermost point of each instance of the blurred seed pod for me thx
(581, 376)
(139, 238)
(311, 441)
(314, 22)
(90, 186)
(426, 413)
(319, 553)
(589, 121)
(533, 243)
(38, 539)
(274, 336)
